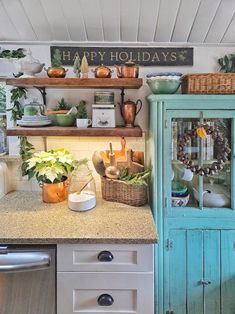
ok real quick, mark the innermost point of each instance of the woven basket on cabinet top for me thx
(119, 191)
(208, 83)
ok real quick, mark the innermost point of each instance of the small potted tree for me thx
(56, 70)
(81, 117)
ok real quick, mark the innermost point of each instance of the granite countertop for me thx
(24, 218)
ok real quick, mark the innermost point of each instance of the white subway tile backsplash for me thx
(80, 147)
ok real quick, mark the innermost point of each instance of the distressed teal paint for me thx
(228, 272)
(203, 240)
(212, 273)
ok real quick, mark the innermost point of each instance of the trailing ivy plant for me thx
(227, 63)
(17, 109)
(26, 152)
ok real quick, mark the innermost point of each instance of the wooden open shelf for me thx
(129, 83)
(74, 131)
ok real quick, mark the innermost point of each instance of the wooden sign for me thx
(160, 56)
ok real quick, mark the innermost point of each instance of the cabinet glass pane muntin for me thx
(187, 189)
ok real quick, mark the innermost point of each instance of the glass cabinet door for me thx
(201, 168)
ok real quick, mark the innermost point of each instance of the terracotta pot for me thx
(55, 192)
(56, 72)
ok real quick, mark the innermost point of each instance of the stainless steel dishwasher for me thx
(27, 279)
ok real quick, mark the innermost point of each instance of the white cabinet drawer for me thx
(87, 293)
(105, 257)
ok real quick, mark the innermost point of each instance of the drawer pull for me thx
(105, 300)
(105, 256)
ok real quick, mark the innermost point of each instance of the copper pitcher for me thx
(129, 111)
(128, 70)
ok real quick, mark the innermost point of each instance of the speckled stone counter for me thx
(24, 218)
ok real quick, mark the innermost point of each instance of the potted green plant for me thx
(56, 70)
(51, 170)
(82, 120)
(227, 63)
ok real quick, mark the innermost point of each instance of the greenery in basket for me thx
(8, 54)
(56, 61)
(52, 166)
(138, 178)
(82, 111)
(227, 63)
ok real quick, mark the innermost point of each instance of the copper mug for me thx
(129, 111)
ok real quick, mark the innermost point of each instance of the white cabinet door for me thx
(91, 293)
(105, 257)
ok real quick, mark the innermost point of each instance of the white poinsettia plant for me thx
(52, 166)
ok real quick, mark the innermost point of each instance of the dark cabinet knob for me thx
(105, 300)
(105, 256)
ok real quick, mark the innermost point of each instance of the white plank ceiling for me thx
(117, 21)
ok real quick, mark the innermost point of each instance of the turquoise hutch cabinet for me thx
(191, 149)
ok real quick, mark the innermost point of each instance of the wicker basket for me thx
(208, 83)
(119, 191)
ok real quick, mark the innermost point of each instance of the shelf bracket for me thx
(42, 90)
(122, 95)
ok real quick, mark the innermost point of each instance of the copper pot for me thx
(128, 70)
(102, 72)
(56, 72)
(129, 111)
(55, 192)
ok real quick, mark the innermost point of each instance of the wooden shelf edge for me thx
(74, 131)
(127, 83)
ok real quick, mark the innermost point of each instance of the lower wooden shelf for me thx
(74, 131)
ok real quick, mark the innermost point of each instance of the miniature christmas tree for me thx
(82, 111)
(77, 67)
(84, 67)
(56, 59)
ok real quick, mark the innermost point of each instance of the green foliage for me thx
(17, 109)
(2, 99)
(63, 105)
(26, 152)
(56, 59)
(82, 111)
(138, 178)
(77, 67)
(8, 54)
(227, 63)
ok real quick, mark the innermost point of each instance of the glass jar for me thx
(82, 192)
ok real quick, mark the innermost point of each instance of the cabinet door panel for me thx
(228, 272)
(194, 271)
(212, 271)
(177, 272)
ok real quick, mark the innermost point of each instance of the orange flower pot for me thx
(55, 192)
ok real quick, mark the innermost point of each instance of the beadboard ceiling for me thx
(118, 21)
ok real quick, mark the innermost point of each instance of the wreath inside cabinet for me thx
(202, 131)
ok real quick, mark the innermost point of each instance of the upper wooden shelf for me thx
(74, 131)
(130, 83)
